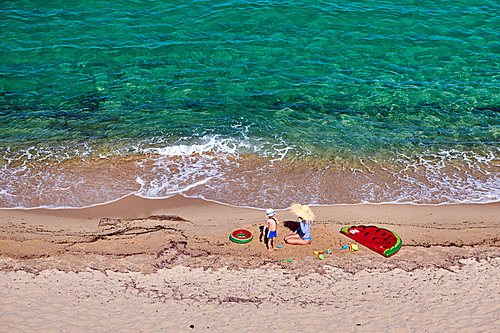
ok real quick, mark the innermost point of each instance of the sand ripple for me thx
(464, 297)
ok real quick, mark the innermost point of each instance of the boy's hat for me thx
(270, 212)
(303, 211)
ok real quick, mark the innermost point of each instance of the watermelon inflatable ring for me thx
(241, 236)
(380, 240)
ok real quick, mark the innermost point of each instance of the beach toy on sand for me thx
(316, 252)
(353, 247)
(288, 260)
(380, 240)
(241, 236)
(344, 247)
(321, 257)
(329, 251)
(279, 246)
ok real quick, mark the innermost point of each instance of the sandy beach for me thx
(168, 264)
(137, 138)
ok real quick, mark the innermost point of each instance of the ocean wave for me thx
(218, 171)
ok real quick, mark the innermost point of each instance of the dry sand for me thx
(168, 264)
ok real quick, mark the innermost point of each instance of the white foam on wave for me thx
(179, 168)
(212, 144)
(214, 168)
(447, 176)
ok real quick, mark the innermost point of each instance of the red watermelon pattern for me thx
(380, 240)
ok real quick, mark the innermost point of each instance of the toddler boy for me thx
(271, 224)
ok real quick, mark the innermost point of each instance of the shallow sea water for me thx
(249, 103)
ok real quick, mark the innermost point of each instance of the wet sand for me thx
(152, 264)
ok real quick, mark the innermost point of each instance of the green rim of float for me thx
(241, 236)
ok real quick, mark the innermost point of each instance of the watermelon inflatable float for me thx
(380, 240)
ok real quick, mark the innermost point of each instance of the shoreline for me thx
(216, 202)
(239, 180)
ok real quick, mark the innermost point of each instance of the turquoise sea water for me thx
(251, 103)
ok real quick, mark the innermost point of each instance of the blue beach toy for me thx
(279, 246)
(344, 247)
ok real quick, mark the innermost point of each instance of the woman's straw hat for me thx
(303, 211)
